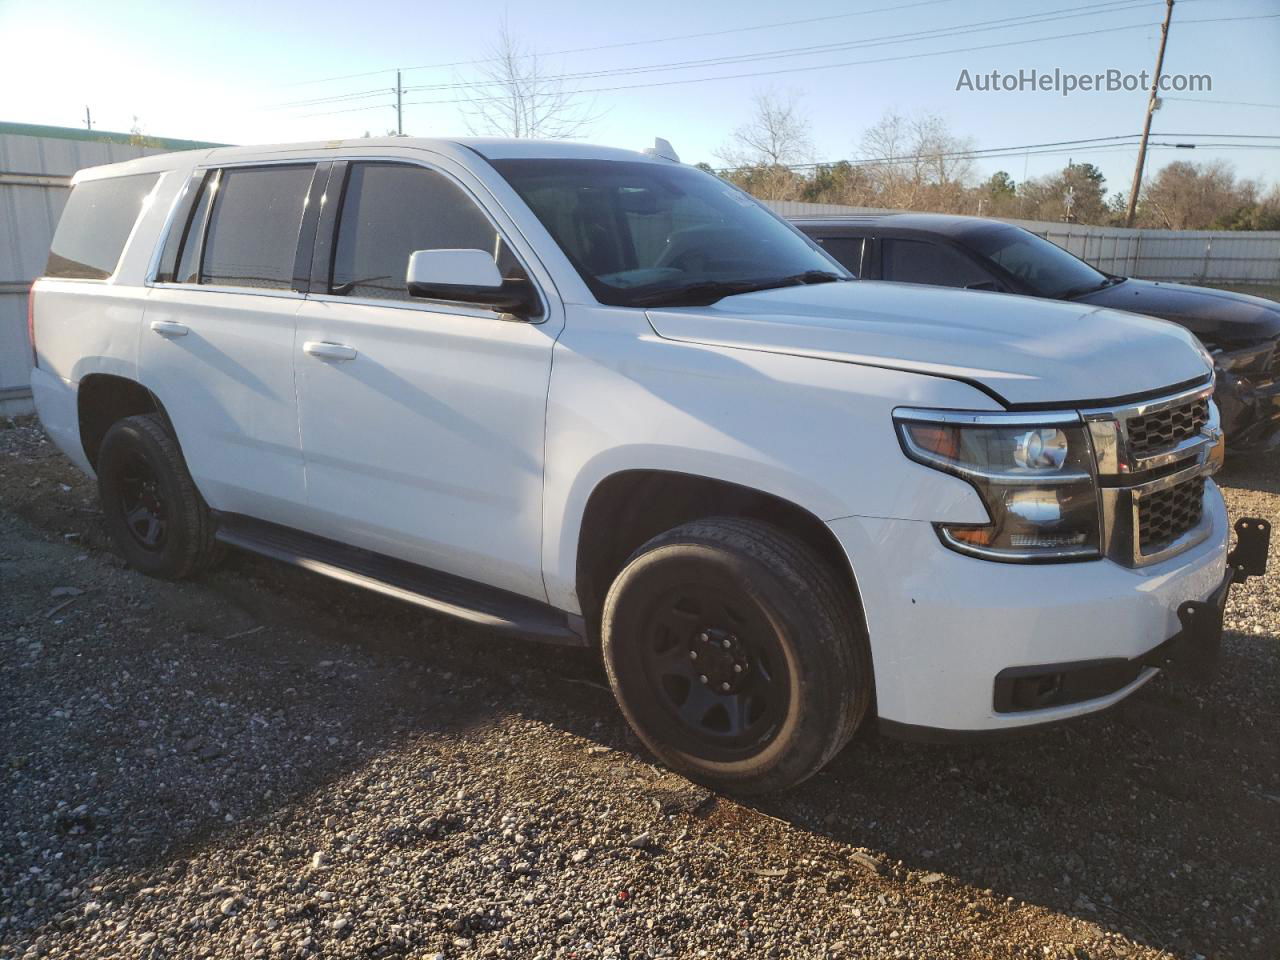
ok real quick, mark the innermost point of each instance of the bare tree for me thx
(915, 163)
(762, 151)
(1190, 196)
(517, 96)
(777, 135)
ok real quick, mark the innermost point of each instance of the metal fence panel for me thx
(35, 173)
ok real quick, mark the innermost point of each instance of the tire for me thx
(156, 517)
(736, 654)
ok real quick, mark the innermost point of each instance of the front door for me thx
(422, 423)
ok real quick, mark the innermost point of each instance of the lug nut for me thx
(737, 668)
(702, 677)
(703, 637)
(724, 686)
(726, 643)
(693, 654)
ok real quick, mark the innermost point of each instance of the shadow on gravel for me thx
(1151, 821)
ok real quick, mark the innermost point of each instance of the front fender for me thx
(816, 433)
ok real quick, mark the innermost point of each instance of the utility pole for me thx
(88, 121)
(400, 110)
(1151, 109)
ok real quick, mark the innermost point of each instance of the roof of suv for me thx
(491, 148)
(940, 223)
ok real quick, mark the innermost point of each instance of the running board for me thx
(444, 593)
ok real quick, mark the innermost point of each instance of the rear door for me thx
(218, 334)
(422, 422)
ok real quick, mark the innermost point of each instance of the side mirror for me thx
(466, 276)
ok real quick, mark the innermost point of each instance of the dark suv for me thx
(1242, 332)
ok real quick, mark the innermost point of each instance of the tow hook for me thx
(1249, 558)
(1194, 649)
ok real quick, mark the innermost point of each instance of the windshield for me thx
(643, 233)
(1045, 267)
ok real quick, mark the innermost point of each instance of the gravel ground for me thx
(263, 763)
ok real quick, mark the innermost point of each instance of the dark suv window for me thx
(253, 228)
(915, 261)
(95, 224)
(389, 210)
(847, 250)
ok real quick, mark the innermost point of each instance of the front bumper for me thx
(1191, 652)
(943, 626)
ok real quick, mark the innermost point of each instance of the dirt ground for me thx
(264, 763)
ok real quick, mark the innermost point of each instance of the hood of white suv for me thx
(1024, 350)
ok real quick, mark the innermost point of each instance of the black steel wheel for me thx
(155, 515)
(735, 654)
(714, 664)
(142, 502)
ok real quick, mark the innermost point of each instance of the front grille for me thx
(1158, 431)
(1166, 515)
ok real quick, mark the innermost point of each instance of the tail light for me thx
(31, 324)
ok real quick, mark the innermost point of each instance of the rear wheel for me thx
(735, 654)
(155, 515)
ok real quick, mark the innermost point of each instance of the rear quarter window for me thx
(95, 225)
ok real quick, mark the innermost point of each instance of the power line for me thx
(937, 33)
(1030, 149)
(833, 66)
(1231, 103)
(636, 43)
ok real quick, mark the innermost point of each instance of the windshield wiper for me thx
(1091, 288)
(707, 292)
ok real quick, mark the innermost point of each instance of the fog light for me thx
(1039, 506)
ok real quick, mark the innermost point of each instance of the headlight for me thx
(1034, 473)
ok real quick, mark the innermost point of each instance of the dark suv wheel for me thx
(154, 513)
(736, 655)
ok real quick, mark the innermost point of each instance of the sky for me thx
(234, 71)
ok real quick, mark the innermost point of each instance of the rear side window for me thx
(915, 261)
(389, 210)
(95, 224)
(252, 238)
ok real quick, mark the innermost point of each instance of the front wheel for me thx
(735, 654)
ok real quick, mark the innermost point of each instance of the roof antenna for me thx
(664, 149)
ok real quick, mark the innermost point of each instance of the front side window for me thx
(848, 250)
(646, 233)
(95, 225)
(390, 210)
(917, 261)
(252, 238)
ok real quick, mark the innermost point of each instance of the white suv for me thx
(598, 397)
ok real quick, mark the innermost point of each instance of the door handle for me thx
(328, 351)
(169, 329)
